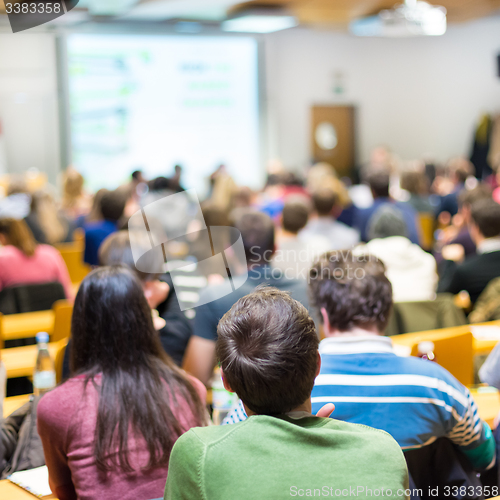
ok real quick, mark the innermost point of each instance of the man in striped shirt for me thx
(416, 401)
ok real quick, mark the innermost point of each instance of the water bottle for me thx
(426, 350)
(44, 376)
(222, 400)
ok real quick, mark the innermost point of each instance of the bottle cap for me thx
(42, 337)
(425, 347)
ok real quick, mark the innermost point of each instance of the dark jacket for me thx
(20, 444)
(473, 275)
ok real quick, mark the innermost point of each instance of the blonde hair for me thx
(53, 226)
(72, 188)
(18, 235)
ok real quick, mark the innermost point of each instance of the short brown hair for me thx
(354, 290)
(295, 216)
(486, 216)
(267, 347)
(324, 200)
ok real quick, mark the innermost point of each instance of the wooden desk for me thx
(20, 361)
(21, 326)
(10, 491)
(488, 403)
(10, 405)
(479, 346)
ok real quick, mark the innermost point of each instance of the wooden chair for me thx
(426, 222)
(453, 348)
(72, 254)
(63, 310)
(59, 359)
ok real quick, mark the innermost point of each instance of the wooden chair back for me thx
(1, 332)
(72, 254)
(63, 310)
(453, 348)
(426, 223)
(59, 359)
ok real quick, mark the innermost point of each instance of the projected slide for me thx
(151, 102)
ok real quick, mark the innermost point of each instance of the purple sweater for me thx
(66, 424)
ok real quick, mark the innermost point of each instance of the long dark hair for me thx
(113, 335)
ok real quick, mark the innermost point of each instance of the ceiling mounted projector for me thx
(413, 18)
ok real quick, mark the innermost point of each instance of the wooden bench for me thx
(26, 325)
(453, 356)
(56, 322)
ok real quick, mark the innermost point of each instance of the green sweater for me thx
(268, 458)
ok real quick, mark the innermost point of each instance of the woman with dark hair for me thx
(24, 262)
(108, 431)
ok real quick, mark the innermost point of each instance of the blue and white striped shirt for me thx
(414, 400)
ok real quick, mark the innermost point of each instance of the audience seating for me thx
(63, 311)
(10, 405)
(20, 361)
(72, 253)
(408, 317)
(30, 298)
(56, 322)
(59, 358)
(426, 223)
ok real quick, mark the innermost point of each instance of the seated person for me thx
(108, 431)
(379, 180)
(323, 224)
(294, 255)
(24, 262)
(112, 208)
(416, 184)
(257, 232)
(474, 274)
(171, 323)
(158, 289)
(411, 271)
(267, 347)
(414, 400)
(459, 232)
(458, 169)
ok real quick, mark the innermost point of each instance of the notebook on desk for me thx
(36, 481)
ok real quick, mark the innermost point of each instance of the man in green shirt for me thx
(268, 351)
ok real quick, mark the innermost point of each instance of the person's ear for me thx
(224, 381)
(318, 369)
(326, 322)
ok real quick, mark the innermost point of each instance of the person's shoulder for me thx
(47, 250)
(471, 263)
(9, 251)
(205, 437)
(362, 436)
(61, 400)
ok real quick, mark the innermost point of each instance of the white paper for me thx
(36, 481)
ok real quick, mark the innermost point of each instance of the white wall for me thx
(420, 96)
(29, 102)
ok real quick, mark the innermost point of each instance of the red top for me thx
(45, 266)
(66, 419)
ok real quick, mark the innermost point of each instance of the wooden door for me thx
(332, 137)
